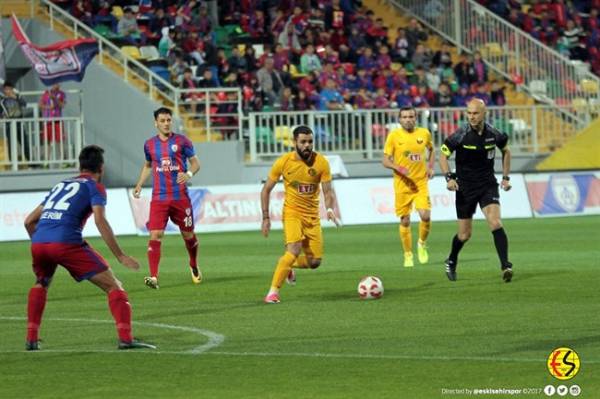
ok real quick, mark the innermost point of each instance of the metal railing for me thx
(40, 142)
(532, 129)
(547, 75)
(139, 75)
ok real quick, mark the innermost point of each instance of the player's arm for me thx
(329, 195)
(109, 238)
(146, 170)
(388, 162)
(451, 183)
(265, 199)
(32, 220)
(506, 157)
(430, 161)
(192, 170)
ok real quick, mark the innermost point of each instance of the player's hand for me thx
(266, 227)
(505, 185)
(182, 177)
(129, 262)
(452, 185)
(401, 170)
(137, 191)
(430, 173)
(331, 216)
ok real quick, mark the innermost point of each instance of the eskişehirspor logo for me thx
(566, 192)
(563, 363)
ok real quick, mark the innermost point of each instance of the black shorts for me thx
(467, 199)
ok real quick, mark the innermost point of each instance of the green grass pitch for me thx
(218, 340)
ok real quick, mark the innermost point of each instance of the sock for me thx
(424, 228)
(406, 239)
(282, 270)
(192, 248)
(35, 310)
(118, 302)
(456, 247)
(501, 242)
(301, 262)
(153, 257)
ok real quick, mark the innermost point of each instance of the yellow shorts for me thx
(305, 229)
(405, 201)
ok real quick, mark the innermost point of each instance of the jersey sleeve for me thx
(429, 143)
(450, 144)
(147, 151)
(326, 175)
(388, 148)
(277, 169)
(97, 194)
(501, 140)
(188, 148)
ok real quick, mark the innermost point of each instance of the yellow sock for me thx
(282, 270)
(424, 228)
(406, 239)
(301, 262)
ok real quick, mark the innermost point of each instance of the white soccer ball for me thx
(370, 287)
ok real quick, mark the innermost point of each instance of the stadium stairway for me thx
(580, 152)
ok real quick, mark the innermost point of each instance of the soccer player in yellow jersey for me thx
(409, 153)
(302, 171)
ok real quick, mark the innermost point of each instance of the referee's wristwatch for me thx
(450, 176)
(506, 177)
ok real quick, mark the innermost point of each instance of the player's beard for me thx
(306, 154)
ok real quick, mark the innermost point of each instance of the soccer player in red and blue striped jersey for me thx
(55, 228)
(167, 156)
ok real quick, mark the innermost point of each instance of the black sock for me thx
(456, 247)
(501, 242)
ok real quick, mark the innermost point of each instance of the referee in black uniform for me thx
(474, 182)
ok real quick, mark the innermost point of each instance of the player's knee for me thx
(426, 218)
(405, 221)
(464, 235)
(495, 224)
(156, 234)
(314, 263)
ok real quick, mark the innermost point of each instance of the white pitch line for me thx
(214, 339)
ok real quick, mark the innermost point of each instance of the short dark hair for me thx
(302, 129)
(9, 84)
(91, 158)
(162, 110)
(408, 108)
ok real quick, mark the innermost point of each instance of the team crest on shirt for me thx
(312, 172)
(419, 140)
(188, 211)
(174, 148)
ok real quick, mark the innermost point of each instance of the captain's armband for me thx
(445, 150)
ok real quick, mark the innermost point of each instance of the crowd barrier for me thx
(358, 201)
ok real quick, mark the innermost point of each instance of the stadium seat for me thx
(589, 86)
(538, 87)
(579, 104)
(149, 52)
(295, 73)
(264, 134)
(103, 31)
(117, 11)
(284, 134)
(132, 51)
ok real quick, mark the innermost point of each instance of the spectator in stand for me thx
(377, 32)
(497, 94)
(362, 100)
(350, 83)
(237, 62)
(201, 22)
(12, 106)
(178, 68)
(480, 69)
(420, 100)
(401, 47)
(309, 61)
(419, 78)
(256, 26)
(421, 57)
(83, 11)
(278, 23)
(572, 35)
(299, 20)
(193, 46)
(403, 98)
(209, 80)
(330, 56)
(367, 61)
(515, 17)
(188, 83)
(286, 102)
(281, 59)
(270, 81)
(160, 20)
(462, 96)
(443, 98)
(335, 16)
(250, 57)
(166, 43)
(381, 99)
(356, 41)
(443, 58)
(383, 58)
(465, 71)
(222, 64)
(289, 39)
(330, 97)
(364, 79)
(415, 34)
(337, 39)
(433, 78)
(301, 102)
(482, 94)
(51, 104)
(129, 29)
(104, 16)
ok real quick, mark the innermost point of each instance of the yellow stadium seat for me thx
(579, 103)
(494, 49)
(132, 51)
(589, 86)
(284, 134)
(117, 11)
(295, 73)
